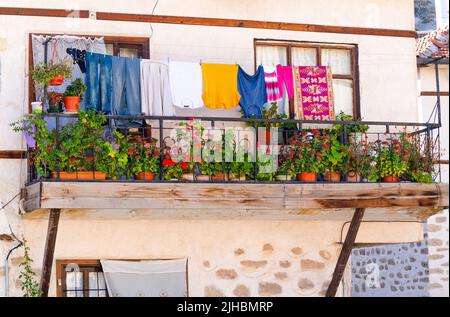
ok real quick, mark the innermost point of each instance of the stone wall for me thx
(391, 270)
(414, 269)
(438, 254)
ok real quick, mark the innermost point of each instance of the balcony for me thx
(233, 167)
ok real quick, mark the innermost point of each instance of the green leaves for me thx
(43, 73)
(29, 286)
(76, 88)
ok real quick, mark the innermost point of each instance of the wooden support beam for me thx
(49, 251)
(203, 21)
(345, 252)
(13, 154)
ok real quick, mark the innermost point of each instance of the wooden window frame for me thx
(85, 265)
(95, 264)
(117, 41)
(354, 56)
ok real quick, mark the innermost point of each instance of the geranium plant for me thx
(54, 101)
(145, 157)
(307, 151)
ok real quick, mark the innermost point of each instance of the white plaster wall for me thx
(397, 14)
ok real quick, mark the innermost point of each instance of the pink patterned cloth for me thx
(273, 87)
(285, 77)
(313, 93)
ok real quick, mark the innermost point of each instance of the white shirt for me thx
(186, 83)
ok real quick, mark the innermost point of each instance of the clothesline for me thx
(159, 86)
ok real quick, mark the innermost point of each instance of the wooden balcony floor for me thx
(383, 201)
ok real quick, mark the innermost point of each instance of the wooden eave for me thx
(317, 201)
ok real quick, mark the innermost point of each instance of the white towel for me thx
(186, 84)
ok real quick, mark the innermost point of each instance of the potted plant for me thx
(351, 130)
(173, 170)
(145, 160)
(334, 157)
(215, 170)
(286, 169)
(307, 151)
(391, 163)
(52, 74)
(73, 95)
(240, 171)
(54, 101)
(359, 163)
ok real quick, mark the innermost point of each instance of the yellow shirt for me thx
(220, 87)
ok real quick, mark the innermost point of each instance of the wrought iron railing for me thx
(368, 150)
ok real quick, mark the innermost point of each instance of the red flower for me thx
(183, 165)
(168, 162)
(72, 159)
(131, 151)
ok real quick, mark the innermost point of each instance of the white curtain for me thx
(304, 56)
(339, 60)
(270, 57)
(56, 52)
(161, 278)
(343, 95)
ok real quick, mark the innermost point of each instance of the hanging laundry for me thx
(273, 87)
(126, 88)
(98, 82)
(79, 57)
(155, 89)
(220, 89)
(286, 79)
(186, 84)
(313, 93)
(252, 89)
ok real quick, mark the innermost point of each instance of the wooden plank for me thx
(160, 190)
(293, 198)
(32, 197)
(433, 93)
(147, 18)
(345, 252)
(254, 24)
(13, 154)
(55, 13)
(49, 251)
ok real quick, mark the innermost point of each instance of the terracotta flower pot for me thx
(56, 81)
(352, 177)
(218, 178)
(307, 177)
(202, 178)
(333, 177)
(80, 175)
(72, 103)
(390, 179)
(188, 177)
(145, 176)
(283, 178)
(236, 178)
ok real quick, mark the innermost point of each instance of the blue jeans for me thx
(126, 86)
(98, 82)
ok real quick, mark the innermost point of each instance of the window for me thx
(341, 58)
(80, 278)
(127, 46)
(115, 45)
